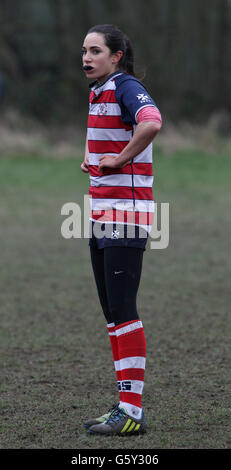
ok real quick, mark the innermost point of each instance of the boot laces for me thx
(116, 414)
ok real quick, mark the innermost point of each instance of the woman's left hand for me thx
(107, 161)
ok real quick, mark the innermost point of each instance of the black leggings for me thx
(117, 272)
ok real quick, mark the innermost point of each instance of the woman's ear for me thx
(117, 56)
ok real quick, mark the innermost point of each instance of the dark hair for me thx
(116, 40)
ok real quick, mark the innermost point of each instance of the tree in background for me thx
(184, 47)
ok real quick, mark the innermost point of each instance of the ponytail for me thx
(127, 60)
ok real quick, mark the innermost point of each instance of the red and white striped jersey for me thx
(125, 194)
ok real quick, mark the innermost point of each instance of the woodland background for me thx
(182, 46)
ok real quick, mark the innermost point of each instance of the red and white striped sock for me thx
(132, 357)
(115, 353)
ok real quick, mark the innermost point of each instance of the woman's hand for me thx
(108, 161)
(84, 166)
(142, 137)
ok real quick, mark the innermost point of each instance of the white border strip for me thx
(129, 328)
(135, 362)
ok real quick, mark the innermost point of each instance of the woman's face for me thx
(98, 56)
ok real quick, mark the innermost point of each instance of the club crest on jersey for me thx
(102, 109)
(143, 98)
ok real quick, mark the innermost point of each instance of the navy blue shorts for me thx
(114, 234)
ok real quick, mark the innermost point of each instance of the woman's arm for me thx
(84, 165)
(144, 134)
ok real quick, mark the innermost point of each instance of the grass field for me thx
(56, 362)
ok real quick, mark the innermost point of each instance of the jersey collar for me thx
(96, 84)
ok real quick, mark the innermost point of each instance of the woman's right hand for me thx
(84, 166)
